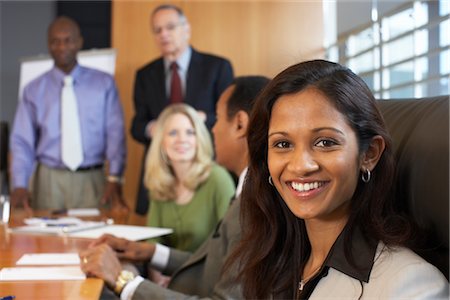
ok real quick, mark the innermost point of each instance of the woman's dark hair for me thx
(275, 245)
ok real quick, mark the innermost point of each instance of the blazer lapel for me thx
(199, 255)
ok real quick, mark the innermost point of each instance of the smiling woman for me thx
(313, 156)
(191, 192)
(317, 207)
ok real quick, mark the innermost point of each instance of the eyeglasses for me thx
(169, 27)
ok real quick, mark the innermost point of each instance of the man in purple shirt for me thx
(37, 134)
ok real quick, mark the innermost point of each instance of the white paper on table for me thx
(129, 232)
(49, 259)
(42, 273)
(59, 226)
(83, 212)
(53, 221)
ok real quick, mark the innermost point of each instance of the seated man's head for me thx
(232, 112)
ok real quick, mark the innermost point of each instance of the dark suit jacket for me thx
(199, 274)
(207, 77)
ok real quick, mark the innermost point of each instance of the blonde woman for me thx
(188, 191)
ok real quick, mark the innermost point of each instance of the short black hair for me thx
(246, 90)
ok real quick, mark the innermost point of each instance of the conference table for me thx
(13, 245)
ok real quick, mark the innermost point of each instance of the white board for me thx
(101, 59)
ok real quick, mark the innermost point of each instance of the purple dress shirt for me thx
(36, 133)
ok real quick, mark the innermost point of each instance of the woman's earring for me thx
(270, 180)
(365, 176)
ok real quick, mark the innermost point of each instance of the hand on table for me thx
(21, 197)
(126, 249)
(101, 261)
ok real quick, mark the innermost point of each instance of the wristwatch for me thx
(123, 278)
(113, 178)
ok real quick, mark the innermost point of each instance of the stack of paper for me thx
(57, 226)
(59, 266)
(75, 227)
(66, 266)
(129, 232)
(49, 259)
(83, 212)
(42, 273)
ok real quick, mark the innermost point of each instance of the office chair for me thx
(420, 133)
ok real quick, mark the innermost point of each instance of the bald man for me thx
(37, 134)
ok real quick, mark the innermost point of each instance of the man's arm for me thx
(22, 146)
(115, 146)
(225, 288)
(141, 118)
(225, 76)
(115, 132)
(176, 259)
(218, 247)
(101, 259)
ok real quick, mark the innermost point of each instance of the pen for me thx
(60, 225)
(8, 298)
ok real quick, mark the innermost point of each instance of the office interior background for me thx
(400, 47)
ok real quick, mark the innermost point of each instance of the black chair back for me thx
(420, 133)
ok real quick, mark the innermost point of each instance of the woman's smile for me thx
(307, 189)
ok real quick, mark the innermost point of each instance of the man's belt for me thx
(90, 168)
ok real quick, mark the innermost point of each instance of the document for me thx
(42, 273)
(130, 232)
(49, 259)
(62, 225)
(83, 212)
(75, 227)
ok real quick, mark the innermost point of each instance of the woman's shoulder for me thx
(403, 267)
(397, 257)
(217, 171)
(219, 177)
(397, 273)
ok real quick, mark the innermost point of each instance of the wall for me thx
(23, 33)
(258, 37)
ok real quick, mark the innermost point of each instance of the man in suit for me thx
(200, 273)
(201, 78)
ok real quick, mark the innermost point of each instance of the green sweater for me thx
(193, 222)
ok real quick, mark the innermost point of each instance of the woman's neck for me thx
(181, 169)
(322, 235)
(183, 193)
